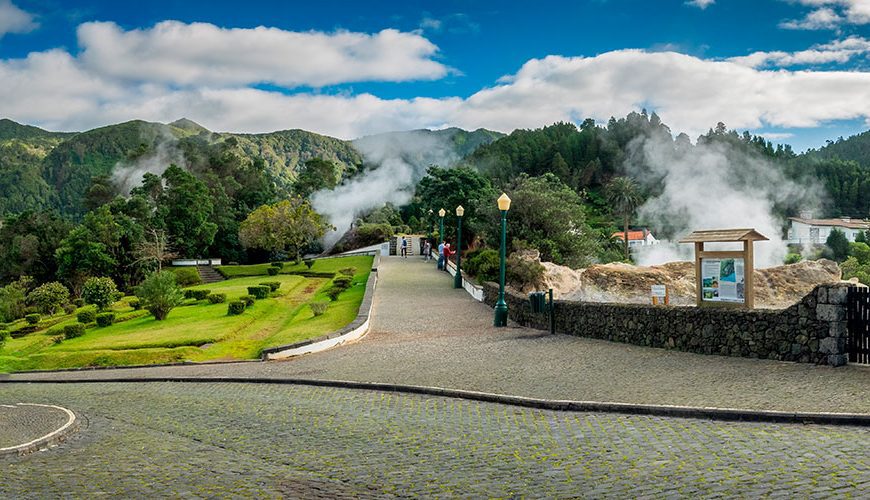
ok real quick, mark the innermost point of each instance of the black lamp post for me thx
(501, 308)
(457, 278)
(441, 213)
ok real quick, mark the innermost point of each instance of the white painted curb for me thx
(71, 418)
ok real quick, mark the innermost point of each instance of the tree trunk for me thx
(625, 237)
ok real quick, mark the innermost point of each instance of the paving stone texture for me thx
(208, 440)
(424, 332)
(20, 424)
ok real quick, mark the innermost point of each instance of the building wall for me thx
(811, 331)
(800, 233)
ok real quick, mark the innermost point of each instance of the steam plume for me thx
(128, 174)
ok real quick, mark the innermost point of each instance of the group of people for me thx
(444, 251)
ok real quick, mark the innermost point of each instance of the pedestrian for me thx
(404, 247)
(441, 255)
(447, 253)
(427, 250)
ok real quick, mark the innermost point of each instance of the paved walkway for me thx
(424, 332)
(246, 440)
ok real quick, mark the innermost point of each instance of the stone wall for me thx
(811, 331)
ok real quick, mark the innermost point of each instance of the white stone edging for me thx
(44, 439)
(473, 289)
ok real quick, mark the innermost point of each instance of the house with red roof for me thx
(636, 237)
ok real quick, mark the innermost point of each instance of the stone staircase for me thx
(208, 274)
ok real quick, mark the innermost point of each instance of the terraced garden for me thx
(198, 330)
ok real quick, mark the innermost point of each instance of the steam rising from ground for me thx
(713, 186)
(128, 174)
(396, 164)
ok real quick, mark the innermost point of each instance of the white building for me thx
(638, 238)
(816, 231)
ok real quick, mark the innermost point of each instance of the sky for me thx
(794, 71)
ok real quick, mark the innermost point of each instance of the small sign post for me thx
(659, 295)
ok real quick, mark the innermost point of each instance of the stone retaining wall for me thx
(811, 331)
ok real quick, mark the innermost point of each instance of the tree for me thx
(286, 226)
(183, 210)
(154, 250)
(449, 188)
(12, 299)
(28, 242)
(315, 175)
(624, 197)
(160, 293)
(839, 245)
(47, 298)
(100, 292)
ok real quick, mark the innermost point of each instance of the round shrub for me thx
(186, 276)
(69, 308)
(136, 304)
(235, 308)
(217, 298)
(78, 302)
(347, 271)
(318, 308)
(201, 294)
(87, 316)
(484, 264)
(273, 285)
(105, 319)
(48, 297)
(32, 319)
(100, 292)
(160, 293)
(334, 292)
(73, 331)
(342, 281)
(259, 292)
(308, 263)
(273, 271)
(248, 300)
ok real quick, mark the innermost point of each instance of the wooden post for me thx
(748, 275)
(699, 247)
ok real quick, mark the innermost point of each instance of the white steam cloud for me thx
(128, 174)
(712, 186)
(397, 162)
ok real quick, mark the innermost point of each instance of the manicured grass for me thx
(320, 266)
(198, 330)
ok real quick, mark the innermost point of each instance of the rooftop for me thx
(724, 235)
(841, 222)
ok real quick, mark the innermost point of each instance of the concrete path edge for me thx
(706, 413)
(55, 437)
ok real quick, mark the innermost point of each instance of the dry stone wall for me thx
(811, 331)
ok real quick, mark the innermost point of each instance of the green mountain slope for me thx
(855, 148)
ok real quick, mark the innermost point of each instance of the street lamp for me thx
(442, 213)
(430, 224)
(442, 257)
(501, 308)
(457, 278)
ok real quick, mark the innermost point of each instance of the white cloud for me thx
(15, 20)
(55, 90)
(840, 51)
(830, 14)
(201, 54)
(701, 4)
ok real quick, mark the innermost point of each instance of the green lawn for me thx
(198, 331)
(320, 266)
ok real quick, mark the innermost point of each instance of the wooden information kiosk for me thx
(724, 278)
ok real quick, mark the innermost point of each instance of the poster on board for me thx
(722, 280)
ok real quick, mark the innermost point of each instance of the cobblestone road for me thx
(424, 332)
(191, 439)
(20, 424)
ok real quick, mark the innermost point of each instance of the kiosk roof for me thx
(723, 235)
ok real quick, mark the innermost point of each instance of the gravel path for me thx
(424, 332)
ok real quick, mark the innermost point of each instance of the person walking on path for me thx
(427, 250)
(404, 247)
(441, 255)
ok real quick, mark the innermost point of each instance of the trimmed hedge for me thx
(105, 319)
(136, 304)
(259, 292)
(217, 298)
(248, 300)
(32, 319)
(186, 276)
(235, 308)
(197, 294)
(87, 316)
(69, 308)
(273, 271)
(79, 302)
(318, 308)
(347, 271)
(278, 265)
(273, 285)
(73, 331)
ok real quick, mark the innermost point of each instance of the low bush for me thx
(48, 297)
(318, 308)
(188, 294)
(73, 331)
(87, 316)
(273, 271)
(136, 304)
(334, 292)
(483, 264)
(308, 263)
(105, 319)
(217, 298)
(248, 300)
(32, 319)
(278, 265)
(160, 293)
(79, 302)
(793, 258)
(342, 281)
(186, 276)
(523, 274)
(200, 294)
(69, 308)
(259, 292)
(347, 271)
(273, 285)
(235, 308)
(4, 336)
(58, 339)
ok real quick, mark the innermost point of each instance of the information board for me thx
(723, 280)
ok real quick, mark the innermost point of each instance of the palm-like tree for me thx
(624, 197)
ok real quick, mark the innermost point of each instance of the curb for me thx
(707, 413)
(51, 439)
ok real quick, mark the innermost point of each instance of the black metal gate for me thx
(859, 325)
